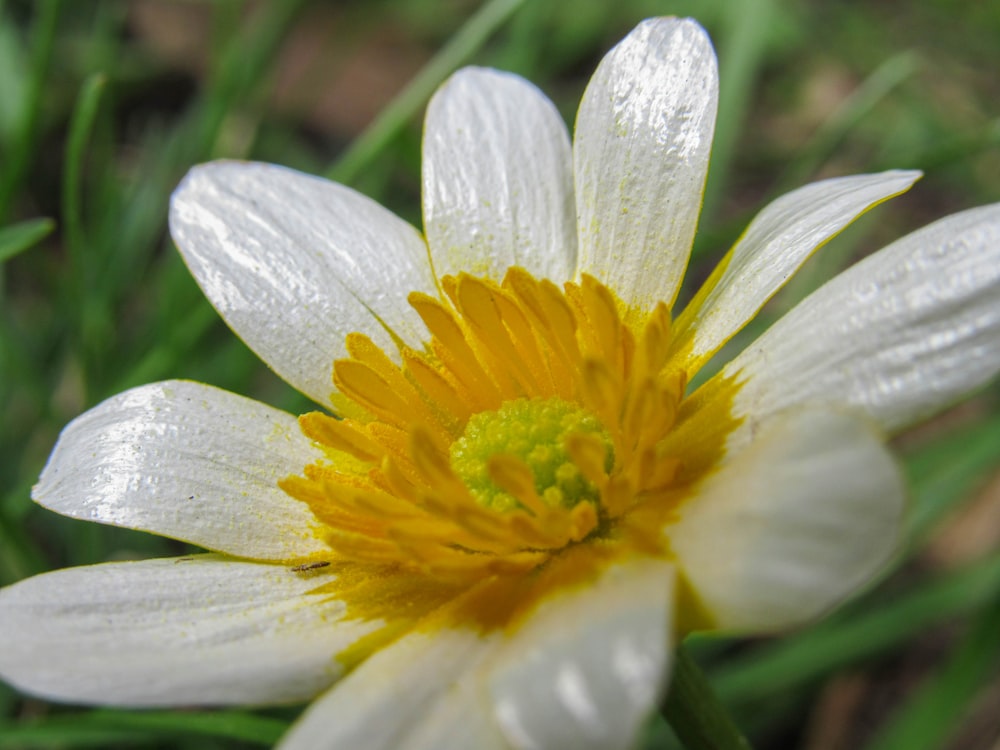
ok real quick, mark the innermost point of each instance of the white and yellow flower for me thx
(523, 506)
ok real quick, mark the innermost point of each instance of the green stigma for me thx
(534, 431)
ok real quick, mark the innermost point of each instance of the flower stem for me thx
(695, 713)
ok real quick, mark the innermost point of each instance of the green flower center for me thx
(534, 431)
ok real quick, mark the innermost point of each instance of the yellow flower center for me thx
(531, 440)
(527, 434)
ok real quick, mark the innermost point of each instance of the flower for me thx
(522, 506)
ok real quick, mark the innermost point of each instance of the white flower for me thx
(522, 510)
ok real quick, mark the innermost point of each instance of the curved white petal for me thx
(398, 697)
(792, 525)
(294, 263)
(590, 664)
(462, 718)
(184, 631)
(188, 461)
(901, 334)
(498, 189)
(583, 671)
(643, 136)
(777, 242)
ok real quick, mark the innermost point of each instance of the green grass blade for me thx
(883, 81)
(13, 81)
(179, 341)
(935, 711)
(241, 67)
(89, 310)
(233, 725)
(844, 638)
(946, 472)
(102, 728)
(23, 737)
(18, 558)
(80, 128)
(24, 144)
(23, 236)
(469, 39)
(694, 712)
(740, 57)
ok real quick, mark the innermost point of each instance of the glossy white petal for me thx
(901, 334)
(462, 719)
(498, 188)
(188, 461)
(294, 263)
(778, 241)
(643, 136)
(796, 522)
(398, 695)
(589, 666)
(184, 631)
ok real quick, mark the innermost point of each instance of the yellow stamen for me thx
(536, 422)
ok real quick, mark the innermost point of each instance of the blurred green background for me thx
(105, 105)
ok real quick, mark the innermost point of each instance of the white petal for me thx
(184, 631)
(498, 188)
(463, 718)
(778, 241)
(792, 525)
(294, 263)
(589, 666)
(643, 136)
(393, 698)
(901, 334)
(187, 461)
